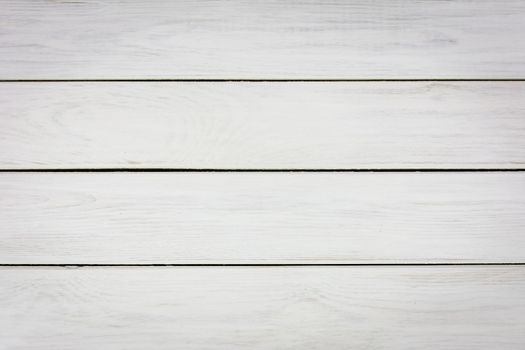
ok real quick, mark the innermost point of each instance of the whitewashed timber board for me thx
(263, 125)
(360, 308)
(261, 39)
(113, 218)
(259, 217)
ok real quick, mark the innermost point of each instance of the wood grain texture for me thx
(442, 308)
(262, 39)
(263, 125)
(109, 218)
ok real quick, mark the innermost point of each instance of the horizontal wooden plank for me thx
(263, 125)
(261, 217)
(262, 39)
(442, 308)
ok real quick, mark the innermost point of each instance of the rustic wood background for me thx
(248, 174)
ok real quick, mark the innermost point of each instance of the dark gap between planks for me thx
(270, 265)
(240, 80)
(241, 170)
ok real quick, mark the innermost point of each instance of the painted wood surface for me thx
(301, 218)
(408, 308)
(263, 125)
(113, 218)
(262, 39)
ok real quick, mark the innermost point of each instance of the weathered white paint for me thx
(261, 217)
(234, 218)
(262, 39)
(263, 125)
(361, 308)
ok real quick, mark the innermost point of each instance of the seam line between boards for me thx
(240, 80)
(217, 170)
(270, 265)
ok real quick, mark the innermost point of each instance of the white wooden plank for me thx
(263, 125)
(408, 308)
(80, 218)
(262, 39)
